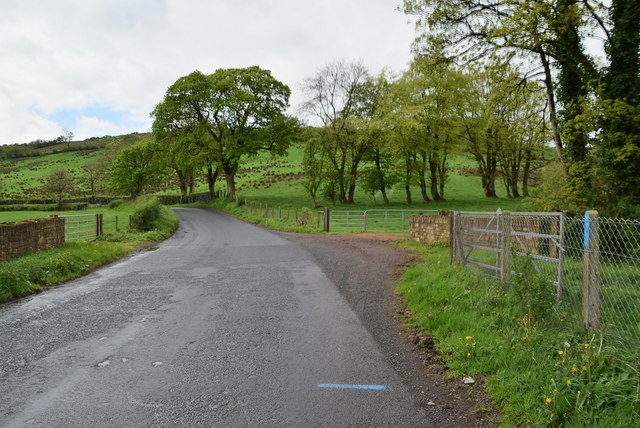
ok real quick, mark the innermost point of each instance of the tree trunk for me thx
(212, 176)
(181, 182)
(553, 115)
(525, 173)
(489, 183)
(230, 178)
(407, 178)
(383, 184)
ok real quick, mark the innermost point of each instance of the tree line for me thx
(379, 132)
(593, 103)
(372, 132)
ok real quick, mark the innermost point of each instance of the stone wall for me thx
(430, 228)
(18, 239)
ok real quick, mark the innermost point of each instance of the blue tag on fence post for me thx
(587, 226)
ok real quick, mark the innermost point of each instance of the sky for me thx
(99, 67)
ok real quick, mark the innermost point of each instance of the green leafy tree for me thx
(425, 110)
(136, 169)
(314, 165)
(92, 178)
(227, 115)
(337, 97)
(61, 184)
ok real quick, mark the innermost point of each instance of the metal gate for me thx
(491, 240)
(377, 221)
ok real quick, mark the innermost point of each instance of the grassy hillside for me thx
(262, 179)
(23, 176)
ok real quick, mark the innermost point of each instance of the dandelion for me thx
(548, 400)
(469, 337)
(560, 352)
(468, 354)
(584, 368)
(569, 382)
(586, 346)
(575, 370)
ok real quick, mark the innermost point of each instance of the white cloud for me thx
(87, 127)
(122, 55)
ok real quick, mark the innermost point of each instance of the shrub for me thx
(115, 203)
(147, 214)
(305, 217)
(532, 293)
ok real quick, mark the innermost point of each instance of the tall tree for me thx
(136, 169)
(61, 184)
(428, 117)
(230, 114)
(335, 97)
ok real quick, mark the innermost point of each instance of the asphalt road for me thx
(223, 325)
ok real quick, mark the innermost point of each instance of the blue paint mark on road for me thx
(337, 385)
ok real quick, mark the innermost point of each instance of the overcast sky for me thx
(99, 67)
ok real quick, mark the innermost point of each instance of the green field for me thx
(262, 179)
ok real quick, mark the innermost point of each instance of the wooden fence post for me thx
(452, 237)
(98, 225)
(327, 218)
(505, 247)
(457, 255)
(591, 272)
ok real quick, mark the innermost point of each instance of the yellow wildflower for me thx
(468, 354)
(575, 370)
(548, 400)
(560, 352)
(586, 346)
(469, 337)
(569, 382)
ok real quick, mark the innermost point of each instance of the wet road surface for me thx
(224, 325)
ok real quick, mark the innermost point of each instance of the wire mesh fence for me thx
(602, 271)
(592, 262)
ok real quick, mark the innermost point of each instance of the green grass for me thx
(34, 272)
(539, 373)
(23, 178)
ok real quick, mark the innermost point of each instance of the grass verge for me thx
(305, 221)
(34, 272)
(538, 372)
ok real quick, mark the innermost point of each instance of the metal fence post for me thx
(591, 272)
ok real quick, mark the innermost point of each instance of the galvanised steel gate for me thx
(490, 240)
(377, 221)
(82, 228)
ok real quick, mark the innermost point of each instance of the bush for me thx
(78, 206)
(305, 218)
(115, 203)
(147, 214)
(532, 293)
